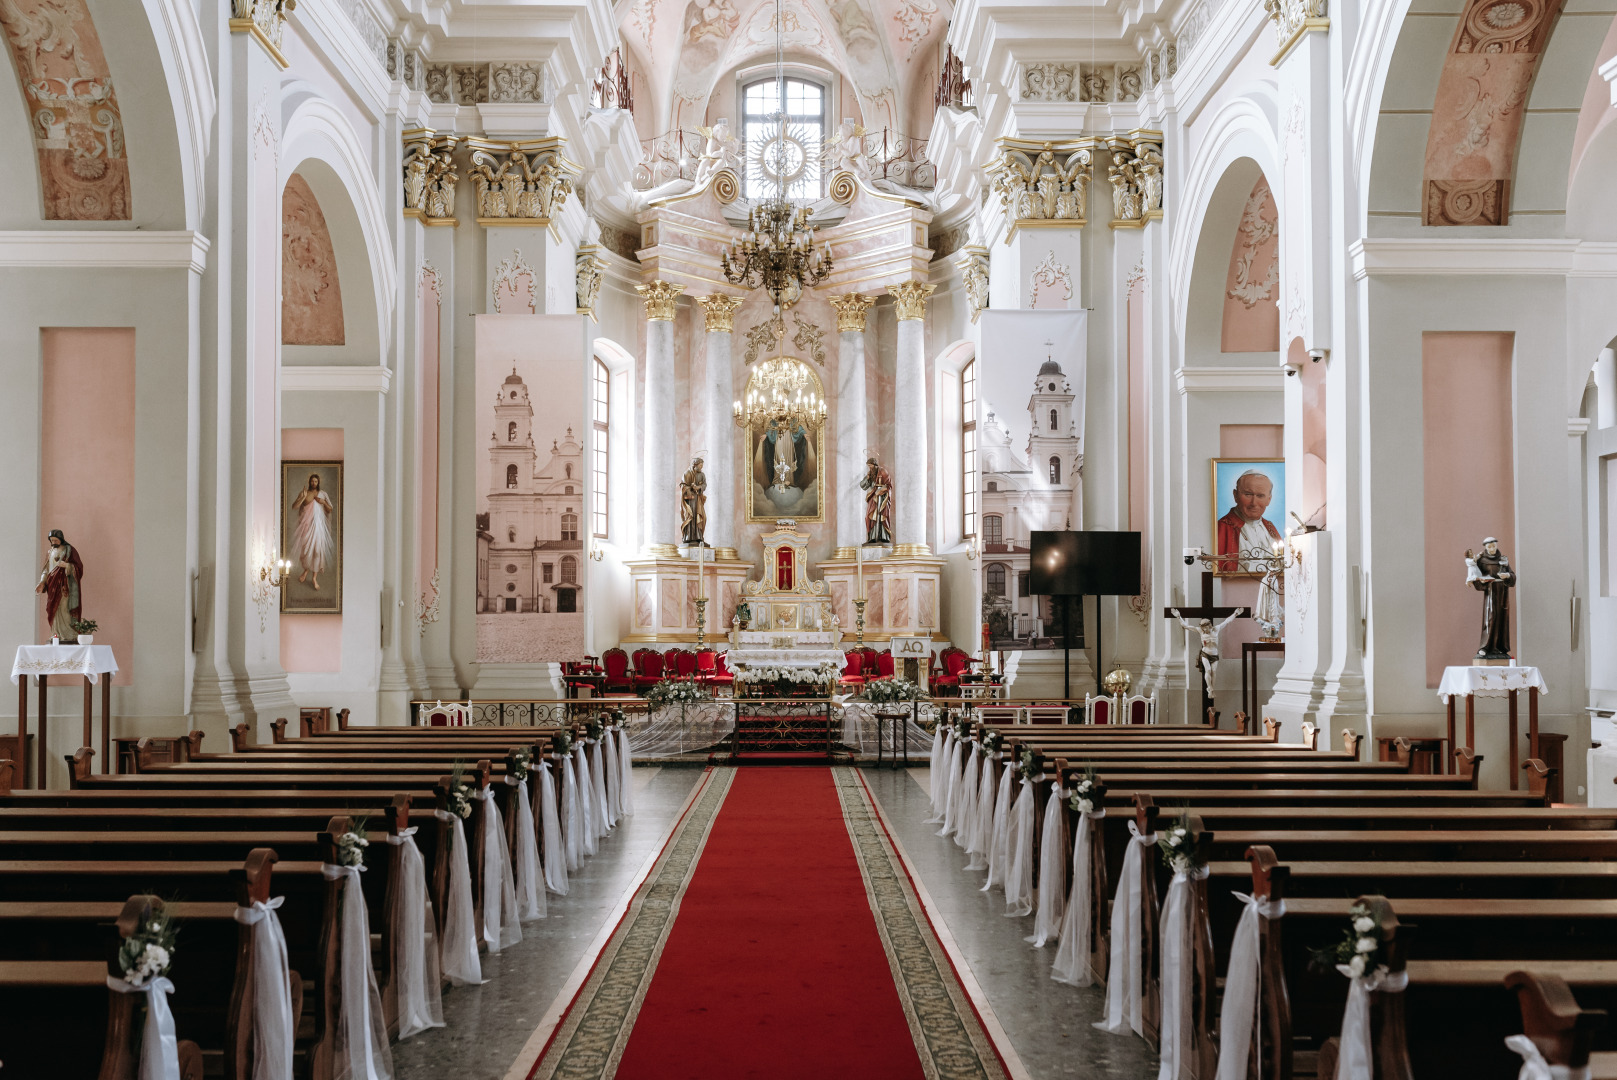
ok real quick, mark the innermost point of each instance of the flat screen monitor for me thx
(1053, 564)
(1069, 563)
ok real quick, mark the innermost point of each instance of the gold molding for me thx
(1307, 25)
(726, 554)
(901, 551)
(910, 297)
(248, 26)
(518, 222)
(719, 312)
(661, 298)
(1127, 223)
(662, 551)
(851, 311)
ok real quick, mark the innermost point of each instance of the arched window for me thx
(1052, 419)
(968, 450)
(510, 476)
(993, 529)
(992, 485)
(798, 157)
(569, 526)
(511, 432)
(569, 570)
(1055, 470)
(995, 582)
(600, 414)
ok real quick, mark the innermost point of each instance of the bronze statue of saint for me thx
(878, 488)
(693, 505)
(1494, 581)
(59, 582)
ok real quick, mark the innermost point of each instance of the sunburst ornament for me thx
(788, 157)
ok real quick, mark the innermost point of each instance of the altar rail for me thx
(544, 712)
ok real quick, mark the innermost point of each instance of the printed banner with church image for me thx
(532, 488)
(1026, 394)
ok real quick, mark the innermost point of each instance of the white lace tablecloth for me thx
(90, 661)
(743, 656)
(1481, 681)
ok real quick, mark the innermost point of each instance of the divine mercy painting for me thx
(311, 536)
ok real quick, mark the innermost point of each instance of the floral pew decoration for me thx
(356, 1043)
(1185, 977)
(1255, 989)
(143, 960)
(979, 844)
(1076, 954)
(1019, 895)
(456, 795)
(524, 844)
(595, 738)
(413, 990)
(1370, 955)
(267, 986)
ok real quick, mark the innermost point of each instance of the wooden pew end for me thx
(1468, 763)
(1243, 723)
(1539, 776)
(1552, 1018)
(1310, 734)
(1271, 729)
(398, 814)
(191, 745)
(79, 766)
(7, 769)
(1350, 742)
(238, 738)
(278, 729)
(342, 719)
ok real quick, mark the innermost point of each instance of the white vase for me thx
(86, 639)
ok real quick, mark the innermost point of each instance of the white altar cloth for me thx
(1483, 681)
(91, 661)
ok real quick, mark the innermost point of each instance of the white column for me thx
(909, 412)
(853, 439)
(718, 311)
(660, 474)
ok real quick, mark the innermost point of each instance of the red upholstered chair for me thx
(649, 667)
(684, 663)
(618, 678)
(946, 672)
(884, 665)
(1098, 710)
(707, 664)
(852, 671)
(722, 675)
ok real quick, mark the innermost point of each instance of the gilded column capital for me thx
(430, 176)
(719, 310)
(851, 310)
(526, 182)
(910, 296)
(973, 263)
(660, 298)
(265, 20)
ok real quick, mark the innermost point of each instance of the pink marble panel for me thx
(842, 604)
(311, 296)
(74, 113)
(691, 593)
(926, 604)
(898, 603)
(729, 593)
(875, 609)
(1252, 284)
(645, 608)
(671, 603)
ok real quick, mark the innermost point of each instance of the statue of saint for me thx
(693, 504)
(1207, 658)
(59, 581)
(878, 488)
(1494, 581)
(1270, 613)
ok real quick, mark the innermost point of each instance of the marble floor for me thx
(1048, 1023)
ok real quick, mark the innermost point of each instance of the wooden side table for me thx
(1515, 739)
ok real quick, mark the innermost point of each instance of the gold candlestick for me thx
(701, 622)
(859, 620)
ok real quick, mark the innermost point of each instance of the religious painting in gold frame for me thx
(1249, 497)
(784, 462)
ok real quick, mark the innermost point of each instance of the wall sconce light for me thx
(272, 576)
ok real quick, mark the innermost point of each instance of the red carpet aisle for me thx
(777, 936)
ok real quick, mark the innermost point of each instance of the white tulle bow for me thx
(501, 921)
(626, 784)
(1072, 955)
(415, 943)
(361, 1051)
(460, 963)
(555, 852)
(1019, 858)
(1241, 1009)
(525, 859)
(999, 840)
(1354, 1060)
(1052, 865)
(273, 1023)
(1535, 1067)
(1123, 979)
(160, 1049)
(1177, 967)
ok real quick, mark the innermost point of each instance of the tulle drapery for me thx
(159, 1046)
(361, 1039)
(273, 1024)
(1123, 978)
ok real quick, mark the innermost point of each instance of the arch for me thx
(1052, 417)
(1205, 298)
(511, 431)
(993, 529)
(994, 579)
(315, 130)
(510, 476)
(1055, 469)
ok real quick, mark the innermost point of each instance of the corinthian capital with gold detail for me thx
(719, 311)
(851, 310)
(910, 299)
(661, 298)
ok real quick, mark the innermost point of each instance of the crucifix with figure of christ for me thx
(1208, 620)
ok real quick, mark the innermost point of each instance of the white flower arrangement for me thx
(1084, 793)
(351, 845)
(1360, 948)
(678, 692)
(988, 745)
(459, 793)
(1027, 765)
(886, 691)
(823, 674)
(518, 764)
(1178, 846)
(561, 743)
(148, 953)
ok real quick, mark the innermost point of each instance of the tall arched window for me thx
(798, 156)
(569, 570)
(993, 529)
(600, 414)
(569, 526)
(511, 432)
(510, 476)
(569, 470)
(996, 579)
(1055, 470)
(1052, 419)
(968, 450)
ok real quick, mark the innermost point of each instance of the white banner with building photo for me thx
(1030, 431)
(532, 485)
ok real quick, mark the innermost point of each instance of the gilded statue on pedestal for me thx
(693, 505)
(878, 488)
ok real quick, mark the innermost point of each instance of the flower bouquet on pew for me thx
(148, 953)
(1360, 949)
(1183, 850)
(1027, 765)
(677, 692)
(519, 763)
(351, 845)
(460, 792)
(594, 729)
(561, 743)
(1086, 791)
(990, 743)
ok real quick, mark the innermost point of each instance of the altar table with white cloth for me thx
(783, 650)
(42, 661)
(1484, 680)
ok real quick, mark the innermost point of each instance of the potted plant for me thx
(85, 630)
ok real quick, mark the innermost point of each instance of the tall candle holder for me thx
(701, 622)
(859, 620)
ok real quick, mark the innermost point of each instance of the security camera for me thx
(1316, 355)
(1290, 372)
(1191, 555)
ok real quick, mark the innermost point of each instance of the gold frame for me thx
(289, 528)
(1213, 514)
(816, 431)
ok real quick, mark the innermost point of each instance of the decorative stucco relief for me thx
(1049, 82)
(76, 123)
(1251, 318)
(521, 182)
(501, 82)
(508, 277)
(914, 19)
(1050, 284)
(311, 295)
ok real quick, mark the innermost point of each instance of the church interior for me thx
(878, 538)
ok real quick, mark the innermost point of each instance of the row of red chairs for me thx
(623, 673)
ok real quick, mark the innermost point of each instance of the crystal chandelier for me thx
(777, 251)
(782, 393)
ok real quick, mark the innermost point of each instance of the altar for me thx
(784, 628)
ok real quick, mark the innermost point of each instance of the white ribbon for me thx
(982, 819)
(1242, 1001)
(1355, 1056)
(273, 1024)
(940, 740)
(572, 823)
(1535, 1067)
(951, 779)
(587, 834)
(1177, 965)
(555, 852)
(614, 778)
(999, 842)
(1123, 981)
(1052, 861)
(626, 763)
(159, 1048)
(502, 925)
(1072, 955)
(415, 943)
(965, 821)
(361, 1043)
(1019, 857)
(603, 820)
(460, 963)
(525, 860)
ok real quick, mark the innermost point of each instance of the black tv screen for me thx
(1053, 564)
(1068, 563)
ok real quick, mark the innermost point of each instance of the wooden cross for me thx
(1207, 610)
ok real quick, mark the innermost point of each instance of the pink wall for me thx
(311, 295)
(427, 558)
(1251, 287)
(87, 474)
(1470, 482)
(1251, 440)
(311, 643)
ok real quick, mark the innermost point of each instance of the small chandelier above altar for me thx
(783, 394)
(777, 252)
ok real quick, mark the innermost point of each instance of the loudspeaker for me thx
(1053, 564)
(1108, 563)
